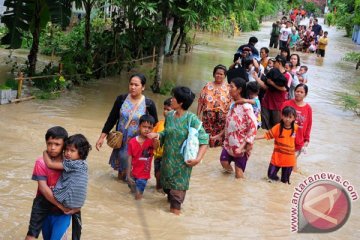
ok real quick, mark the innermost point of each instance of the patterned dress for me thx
(215, 104)
(241, 127)
(118, 158)
(175, 174)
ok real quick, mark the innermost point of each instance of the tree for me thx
(32, 15)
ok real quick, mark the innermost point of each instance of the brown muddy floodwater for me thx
(217, 206)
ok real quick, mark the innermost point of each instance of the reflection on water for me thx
(217, 205)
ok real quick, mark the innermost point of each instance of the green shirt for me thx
(175, 174)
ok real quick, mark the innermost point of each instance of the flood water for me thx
(217, 206)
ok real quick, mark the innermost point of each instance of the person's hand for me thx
(192, 162)
(99, 143)
(216, 137)
(248, 148)
(153, 136)
(130, 180)
(254, 74)
(72, 211)
(62, 208)
(239, 151)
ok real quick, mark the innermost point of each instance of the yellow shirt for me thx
(322, 43)
(159, 127)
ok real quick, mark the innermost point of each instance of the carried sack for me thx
(115, 138)
(190, 146)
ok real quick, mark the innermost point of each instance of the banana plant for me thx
(32, 15)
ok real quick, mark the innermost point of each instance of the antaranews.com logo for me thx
(321, 203)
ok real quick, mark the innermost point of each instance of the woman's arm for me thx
(52, 164)
(199, 108)
(152, 109)
(308, 127)
(201, 153)
(113, 117)
(259, 81)
(114, 114)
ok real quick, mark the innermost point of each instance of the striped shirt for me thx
(71, 188)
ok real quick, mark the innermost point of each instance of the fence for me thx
(20, 78)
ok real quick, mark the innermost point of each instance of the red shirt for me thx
(142, 156)
(42, 172)
(303, 120)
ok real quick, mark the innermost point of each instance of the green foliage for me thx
(352, 57)
(166, 88)
(20, 16)
(347, 14)
(4, 87)
(264, 8)
(310, 6)
(248, 21)
(330, 19)
(351, 102)
(11, 83)
(52, 40)
(50, 84)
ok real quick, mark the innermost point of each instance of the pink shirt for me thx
(42, 172)
(240, 127)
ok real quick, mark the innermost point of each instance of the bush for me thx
(330, 19)
(12, 83)
(352, 57)
(351, 102)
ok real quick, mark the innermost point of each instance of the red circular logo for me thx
(326, 206)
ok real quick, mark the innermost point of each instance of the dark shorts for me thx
(321, 52)
(285, 173)
(175, 198)
(140, 184)
(157, 165)
(41, 208)
(240, 162)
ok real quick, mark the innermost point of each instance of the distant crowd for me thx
(290, 34)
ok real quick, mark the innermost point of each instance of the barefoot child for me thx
(284, 145)
(140, 154)
(159, 127)
(68, 188)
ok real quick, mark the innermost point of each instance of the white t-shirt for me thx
(285, 32)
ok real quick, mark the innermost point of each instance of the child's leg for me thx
(272, 172)
(140, 187)
(157, 166)
(76, 226)
(240, 165)
(285, 174)
(40, 210)
(225, 160)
